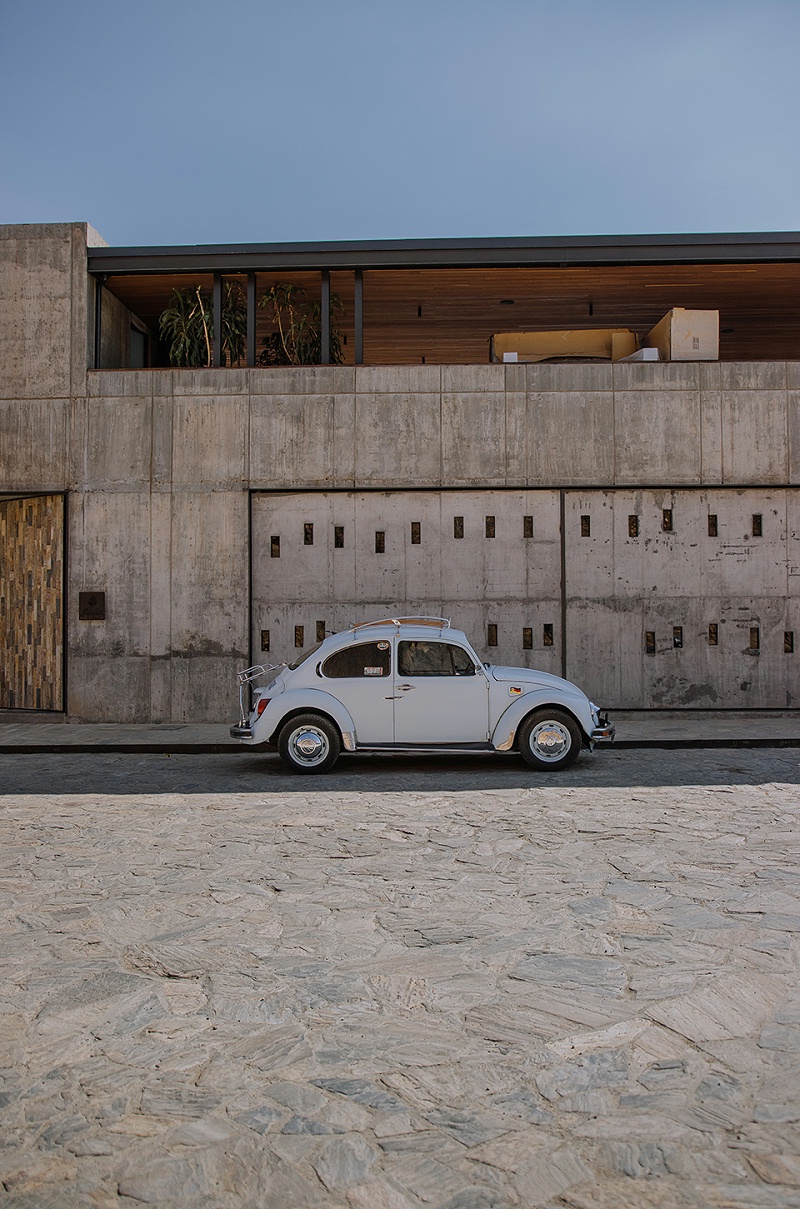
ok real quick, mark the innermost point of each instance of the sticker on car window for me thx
(383, 646)
(373, 671)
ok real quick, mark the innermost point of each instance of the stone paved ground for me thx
(403, 985)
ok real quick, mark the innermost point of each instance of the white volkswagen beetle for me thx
(413, 684)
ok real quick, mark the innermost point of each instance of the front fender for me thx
(510, 720)
(301, 701)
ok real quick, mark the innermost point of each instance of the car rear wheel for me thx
(309, 743)
(550, 739)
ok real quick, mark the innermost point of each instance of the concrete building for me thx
(633, 526)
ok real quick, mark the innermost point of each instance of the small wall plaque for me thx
(91, 606)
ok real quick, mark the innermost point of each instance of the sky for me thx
(200, 121)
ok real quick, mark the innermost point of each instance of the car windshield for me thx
(302, 658)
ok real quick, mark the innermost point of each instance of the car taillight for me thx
(263, 702)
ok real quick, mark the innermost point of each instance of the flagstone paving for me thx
(439, 989)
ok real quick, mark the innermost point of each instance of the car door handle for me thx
(405, 688)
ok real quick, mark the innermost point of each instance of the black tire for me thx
(309, 743)
(550, 739)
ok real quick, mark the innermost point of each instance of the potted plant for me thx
(187, 326)
(297, 338)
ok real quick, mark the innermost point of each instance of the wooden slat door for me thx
(31, 602)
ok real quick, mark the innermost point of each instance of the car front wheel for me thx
(309, 743)
(550, 739)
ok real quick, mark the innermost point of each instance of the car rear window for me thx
(363, 659)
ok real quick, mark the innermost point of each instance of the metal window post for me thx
(98, 320)
(325, 319)
(217, 307)
(251, 319)
(359, 317)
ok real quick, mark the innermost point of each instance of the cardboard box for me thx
(686, 335)
(596, 344)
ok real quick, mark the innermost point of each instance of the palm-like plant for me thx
(187, 326)
(297, 339)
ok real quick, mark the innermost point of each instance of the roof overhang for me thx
(544, 251)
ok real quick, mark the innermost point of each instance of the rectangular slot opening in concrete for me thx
(713, 633)
(527, 526)
(633, 525)
(265, 640)
(755, 638)
(677, 637)
(712, 525)
(758, 525)
(666, 520)
(490, 526)
(586, 526)
(320, 631)
(299, 636)
(547, 634)
(788, 642)
(649, 642)
(380, 541)
(308, 534)
(527, 638)
(416, 533)
(491, 634)
(338, 537)
(274, 547)
(458, 526)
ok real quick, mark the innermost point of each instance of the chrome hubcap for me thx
(309, 746)
(550, 741)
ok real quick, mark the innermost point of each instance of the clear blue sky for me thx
(192, 121)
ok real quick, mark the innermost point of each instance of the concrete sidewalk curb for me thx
(213, 748)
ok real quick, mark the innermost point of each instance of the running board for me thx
(444, 748)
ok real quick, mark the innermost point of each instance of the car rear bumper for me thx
(241, 731)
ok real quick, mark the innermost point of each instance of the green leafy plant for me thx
(187, 326)
(297, 338)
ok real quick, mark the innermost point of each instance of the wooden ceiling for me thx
(446, 316)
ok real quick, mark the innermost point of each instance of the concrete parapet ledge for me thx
(655, 728)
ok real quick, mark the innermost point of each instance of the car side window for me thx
(363, 659)
(433, 659)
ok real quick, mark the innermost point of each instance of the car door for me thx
(360, 676)
(440, 694)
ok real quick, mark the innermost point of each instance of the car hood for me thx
(531, 676)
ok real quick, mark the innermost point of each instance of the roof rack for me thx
(437, 622)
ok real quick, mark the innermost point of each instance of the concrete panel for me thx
(160, 575)
(793, 375)
(119, 443)
(604, 640)
(33, 444)
(744, 375)
(161, 441)
(517, 438)
(209, 587)
(657, 436)
(474, 439)
(736, 561)
(580, 376)
(510, 576)
(293, 440)
(123, 384)
(459, 379)
(204, 688)
(210, 436)
(656, 375)
(398, 379)
(793, 547)
(710, 436)
(219, 382)
(81, 312)
(36, 311)
(109, 551)
(570, 438)
(754, 437)
(103, 689)
(793, 426)
(302, 380)
(399, 440)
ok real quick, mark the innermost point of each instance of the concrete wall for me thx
(158, 465)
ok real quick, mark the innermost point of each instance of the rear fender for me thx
(303, 701)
